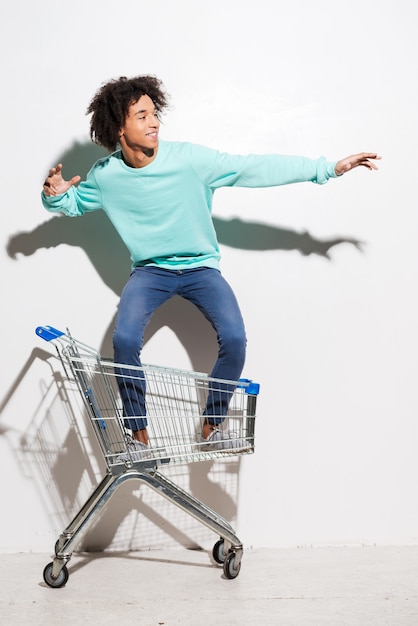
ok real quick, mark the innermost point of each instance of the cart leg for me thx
(228, 549)
(187, 500)
(56, 573)
(85, 517)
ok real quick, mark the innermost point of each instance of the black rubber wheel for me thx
(57, 582)
(218, 552)
(231, 568)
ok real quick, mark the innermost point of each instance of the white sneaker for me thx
(137, 451)
(223, 441)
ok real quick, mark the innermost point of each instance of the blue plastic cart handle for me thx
(48, 332)
(251, 388)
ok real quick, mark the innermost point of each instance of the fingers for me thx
(49, 186)
(366, 155)
(75, 180)
(370, 165)
(47, 189)
(366, 162)
(54, 183)
(363, 159)
(54, 171)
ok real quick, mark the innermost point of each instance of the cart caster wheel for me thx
(57, 582)
(231, 569)
(218, 552)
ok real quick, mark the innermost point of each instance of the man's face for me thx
(140, 131)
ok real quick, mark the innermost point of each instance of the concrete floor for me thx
(337, 586)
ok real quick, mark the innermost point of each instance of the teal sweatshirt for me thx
(163, 211)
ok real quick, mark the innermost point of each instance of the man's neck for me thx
(139, 158)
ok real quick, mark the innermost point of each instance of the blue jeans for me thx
(147, 289)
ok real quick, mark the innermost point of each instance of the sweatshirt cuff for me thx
(331, 168)
(51, 202)
(325, 170)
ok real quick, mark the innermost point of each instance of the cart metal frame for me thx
(175, 401)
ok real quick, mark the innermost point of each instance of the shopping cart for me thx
(175, 401)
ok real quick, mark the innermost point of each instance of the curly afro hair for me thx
(110, 106)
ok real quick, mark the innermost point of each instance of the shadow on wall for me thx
(97, 237)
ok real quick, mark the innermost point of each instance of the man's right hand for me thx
(54, 183)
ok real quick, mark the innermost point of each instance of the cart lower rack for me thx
(174, 404)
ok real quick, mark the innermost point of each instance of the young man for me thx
(158, 195)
